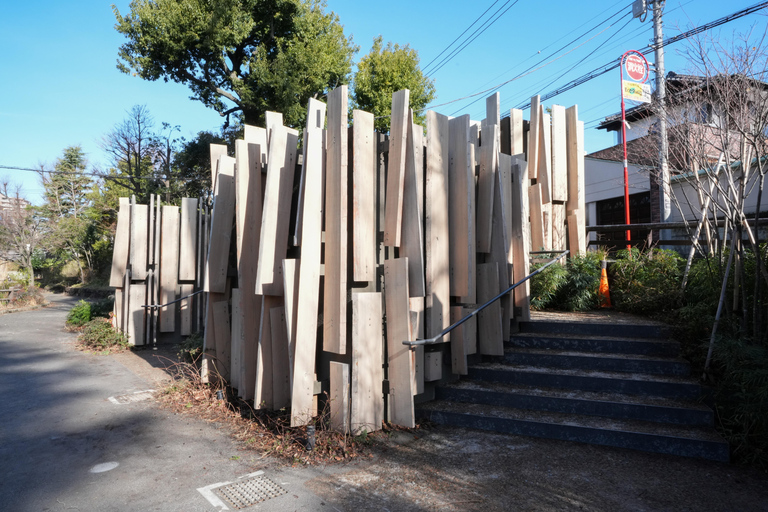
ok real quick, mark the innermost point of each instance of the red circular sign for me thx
(636, 67)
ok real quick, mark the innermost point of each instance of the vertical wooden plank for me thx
(537, 218)
(433, 366)
(470, 331)
(399, 330)
(367, 401)
(458, 343)
(498, 254)
(516, 131)
(398, 132)
(217, 151)
(505, 178)
(461, 187)
(251, 156)
(339, 397)
(264, 388)
(559, 235)
(438, 247)
(364, 197)
(236, 338)
(117, 311)
(546, 219)
(272, 119)
(485, 186)
(221, 227)
(489, 328)
(577, 243)
(185, 319)
(315, 120)
(416, 309)
(575, 160)
(188, 239)
(520, 242)
(533, 138)
(335, 289)
(139, 241)
(544, 175)
(223, 335)
(302, 408)
(493, 109)
(136, 314)
(276, 213)
(122, 239)
(169, 270)
(412, 239)
(281, 372)
(291, 287)
(559, 155)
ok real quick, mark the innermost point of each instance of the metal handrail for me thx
(155, 306)
(435, 339)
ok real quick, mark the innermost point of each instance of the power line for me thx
(84, 173)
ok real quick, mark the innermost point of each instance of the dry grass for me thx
(264, 431)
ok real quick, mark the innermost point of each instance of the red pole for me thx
(624, 141)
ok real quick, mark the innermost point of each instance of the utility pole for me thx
(665, 191)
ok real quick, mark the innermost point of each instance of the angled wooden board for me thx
(264, 388)
(546, 218)
(302, 405)
(185, 318)
(367, 411)
(120, 252)
(336, 236)
(574, 141)
(516, 131)
(544, 175)
(169, 270)
(486, 182)
(498, 254)
(139, 244)
(281, 360)
(461, 194)
(217, 150)
(489, 329)
(339, 396)
(236, 340)
(438, 247)
(223, 330)
(412, 234)
(137, 297)
(520, 242)
(401, 408)
(416, 308)
(291, 287)
(315, 120)
(398, 132)
(559, 235)
(276, 212)
(537, 218)
(188, 240)
(458, 343)
(493, 109)
(533, 138)
(363, 197)
(505, 178)
(559, 155)
(577, 243)
(222, 219)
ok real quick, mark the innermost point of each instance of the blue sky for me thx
(59, 85)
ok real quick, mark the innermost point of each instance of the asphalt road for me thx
(65, 446)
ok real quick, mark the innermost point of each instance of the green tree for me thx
(239, 56)
(387, 70)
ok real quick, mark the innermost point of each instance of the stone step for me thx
(636, 435)
(631, 363)
(611, 405)
(621, 330)
(587, 380)
(601, 344)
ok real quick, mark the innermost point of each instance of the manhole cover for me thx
(249, 492)
(138, 396)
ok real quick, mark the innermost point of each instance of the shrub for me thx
(102, 308)
(646, 282)
(27, 296)
(192, 348)
(98, 334)
(579, 291)
(544, 286)
(79, 315)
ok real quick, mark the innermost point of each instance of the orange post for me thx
(603, 293)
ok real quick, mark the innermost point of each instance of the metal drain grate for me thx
(138, 396)
(249, 492)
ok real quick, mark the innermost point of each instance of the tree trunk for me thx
(720, 304)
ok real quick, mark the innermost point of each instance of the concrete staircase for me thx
(609, 384)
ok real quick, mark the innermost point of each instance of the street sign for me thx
(637, 92)
(636, 67)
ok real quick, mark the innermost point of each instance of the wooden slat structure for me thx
(323, 264)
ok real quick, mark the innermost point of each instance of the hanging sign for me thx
(636, 91)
